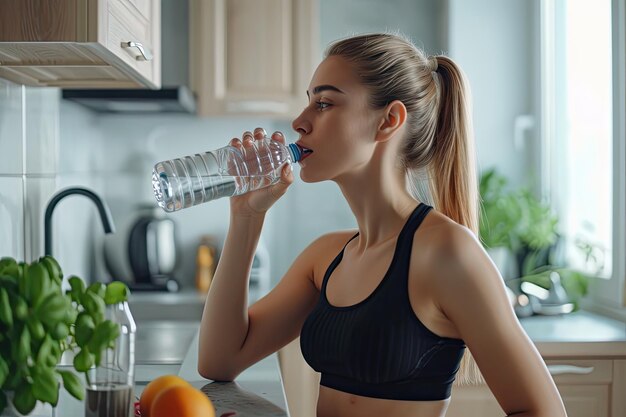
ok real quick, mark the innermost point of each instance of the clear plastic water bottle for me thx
(224, 172)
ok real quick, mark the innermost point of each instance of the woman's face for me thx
(337, 124)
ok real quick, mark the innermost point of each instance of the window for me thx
(582, 135)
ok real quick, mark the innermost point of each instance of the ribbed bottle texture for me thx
(224, 172)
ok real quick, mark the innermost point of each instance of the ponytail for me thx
(453, 177)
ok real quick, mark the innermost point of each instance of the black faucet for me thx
(105, 215)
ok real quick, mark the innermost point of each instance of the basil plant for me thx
(38, 322)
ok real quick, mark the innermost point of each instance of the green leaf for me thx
(8, 266)
(77, 286)
(9, 282)
(97, 288)
(39, 283)
(22, 348)
(105, 332)
(4, 371)
(55, 354)
(36, 328)
(46, 386)
(84, 360)
(14, 379)
(22, 272)
(54, 269)
(45, 352)
(84, 329)
(60, 331)
(6, 316)
(20, 308)
(52, 309)
(94, 305)
(24, 400)
(70, 316)
(116, 292)
(73, 385)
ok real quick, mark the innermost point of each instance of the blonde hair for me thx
(438, 154)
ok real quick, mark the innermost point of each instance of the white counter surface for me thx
(577, 334)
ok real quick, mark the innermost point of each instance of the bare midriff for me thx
(334, 403)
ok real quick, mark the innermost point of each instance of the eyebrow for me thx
(324, 87)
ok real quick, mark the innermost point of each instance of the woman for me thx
(384, 313)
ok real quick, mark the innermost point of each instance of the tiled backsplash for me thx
(30, 145)
(28, 150)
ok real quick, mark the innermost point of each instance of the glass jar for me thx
(110, 385)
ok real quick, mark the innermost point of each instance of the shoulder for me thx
(321, 252)
(453, 258)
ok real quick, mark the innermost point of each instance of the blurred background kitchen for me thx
(542, 85)
(547, 80)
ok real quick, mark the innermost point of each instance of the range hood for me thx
(166, 100)
(176, 98)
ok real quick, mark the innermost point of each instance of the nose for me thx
(301, 125)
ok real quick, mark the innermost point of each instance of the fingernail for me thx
(288, 169)
(278, 133)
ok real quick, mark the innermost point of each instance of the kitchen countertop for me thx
(257, 391)
(577, 334)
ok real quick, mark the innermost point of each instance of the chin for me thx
(308, 177)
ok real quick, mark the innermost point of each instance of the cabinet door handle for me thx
(569, 369)
(146, 55)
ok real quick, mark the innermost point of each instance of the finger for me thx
(236, 142)
(278, 136)
(247, 139)
(259, 133)
(286, 175)
(286, 178)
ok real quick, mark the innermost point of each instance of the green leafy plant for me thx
(514, 219)
(520, 222)
(38, 322)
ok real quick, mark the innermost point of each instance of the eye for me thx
(321, 105)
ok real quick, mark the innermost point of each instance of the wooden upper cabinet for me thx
(81, 43)
(253, 57)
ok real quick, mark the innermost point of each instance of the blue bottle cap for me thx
(295, 151)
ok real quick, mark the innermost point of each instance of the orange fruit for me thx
(182, 401)
(154, 388)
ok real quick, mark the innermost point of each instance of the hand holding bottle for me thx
(256, 203)
(239, 168)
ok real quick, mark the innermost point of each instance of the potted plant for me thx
(518, 223)
(39, 322)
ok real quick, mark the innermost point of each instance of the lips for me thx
(306, 152)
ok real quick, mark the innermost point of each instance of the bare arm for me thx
(224, 322)
(233, 337)
(471, 293)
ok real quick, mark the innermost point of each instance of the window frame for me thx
(607, 296)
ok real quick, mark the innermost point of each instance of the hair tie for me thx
(433, 64)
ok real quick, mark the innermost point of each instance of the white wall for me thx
(494, 41)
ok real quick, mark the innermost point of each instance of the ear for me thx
(392, 120)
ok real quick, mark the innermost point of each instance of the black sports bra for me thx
(378, 347)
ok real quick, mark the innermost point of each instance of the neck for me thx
(380, 202)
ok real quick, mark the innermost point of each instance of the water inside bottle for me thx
(108, 400)
(199, 189)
